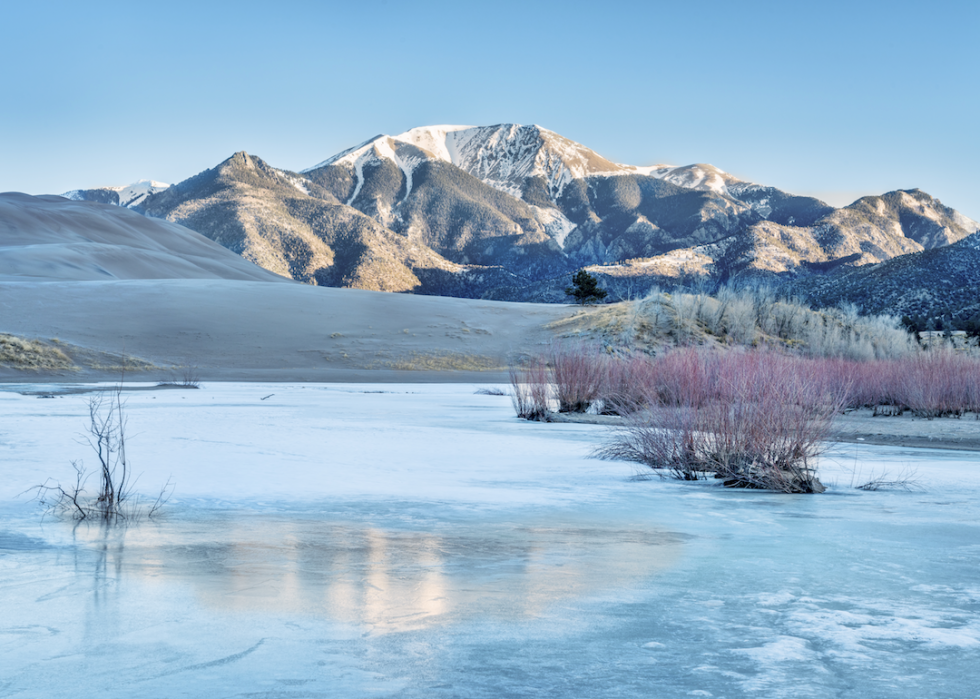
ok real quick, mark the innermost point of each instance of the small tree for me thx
(586, 288)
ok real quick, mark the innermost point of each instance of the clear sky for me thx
(836, 99)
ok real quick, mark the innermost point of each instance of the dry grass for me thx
(56, 356)
(32, 355)
(448, 361)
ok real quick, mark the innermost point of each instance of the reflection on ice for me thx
(383, 580)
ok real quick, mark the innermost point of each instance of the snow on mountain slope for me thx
(700, 176)
(406, 156)
(129, 196)
(506, 155)
(502, 156)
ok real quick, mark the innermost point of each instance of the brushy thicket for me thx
(756, 418)
(937, 383)
(755, 317)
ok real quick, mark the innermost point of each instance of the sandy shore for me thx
(909, 431)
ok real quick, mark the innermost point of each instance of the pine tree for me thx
(586, 288)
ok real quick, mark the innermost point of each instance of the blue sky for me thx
(836, 99)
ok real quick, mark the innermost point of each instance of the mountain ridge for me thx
(472, 211)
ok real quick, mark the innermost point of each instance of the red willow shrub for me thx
(531, 393)
(939, 384)
(579, 374)
(628, 383)
(932, 384)
(756, 419)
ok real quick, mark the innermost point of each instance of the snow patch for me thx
(554, 222)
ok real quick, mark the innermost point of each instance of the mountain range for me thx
(510, 212)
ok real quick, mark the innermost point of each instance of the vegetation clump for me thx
(756, 418)
(19, 353)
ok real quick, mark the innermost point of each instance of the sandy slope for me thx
(109, 281)
(256, 330)
(51, 238)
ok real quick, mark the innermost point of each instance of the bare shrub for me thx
(686, 377)
(939, 384)
(531, 392)
(628, 384)
(579, 374)
(905, 480)
(735, 317)
(189, 379)
(114, 499)
(756, 419)
(492, 391)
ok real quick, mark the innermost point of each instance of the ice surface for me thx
(419, 541)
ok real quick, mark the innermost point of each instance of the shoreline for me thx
(859, 427)
(855, 427)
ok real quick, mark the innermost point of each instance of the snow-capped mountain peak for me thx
(127, 196)
(504, 156)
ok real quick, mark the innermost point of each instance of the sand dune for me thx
(106, 280)
(50, 238)
(255, 330)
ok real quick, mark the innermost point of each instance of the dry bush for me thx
(114, 501)
(939, 384)
(906, 480)
(531, 392)
(579, 375)
(756, 419)
(628, 383)
(33, 355)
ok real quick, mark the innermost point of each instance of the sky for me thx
(832, 99)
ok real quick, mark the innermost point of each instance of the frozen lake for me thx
(419, 541)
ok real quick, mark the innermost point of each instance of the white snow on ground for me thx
(296, 182)
(438, 140)
(703, 177)
(419, 541)
(380, 148)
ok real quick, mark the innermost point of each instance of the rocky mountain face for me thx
(291, 225)
(941, 283)
(510, 211)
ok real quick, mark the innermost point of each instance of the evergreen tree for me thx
(586, 288)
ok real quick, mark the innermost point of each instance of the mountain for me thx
(599, 212)
(50, 238)
(509, 211)
(941, 282)
(293, 226)
(129, 196)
